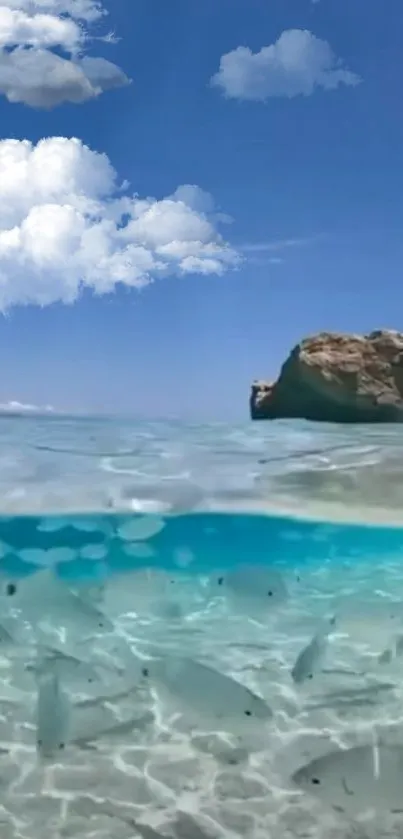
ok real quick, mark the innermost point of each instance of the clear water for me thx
(167, 578)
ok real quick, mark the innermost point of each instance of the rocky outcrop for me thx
(334, 377)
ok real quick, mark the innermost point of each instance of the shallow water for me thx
(158, 584)
(63, 464)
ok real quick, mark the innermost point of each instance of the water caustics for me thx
(197, 636)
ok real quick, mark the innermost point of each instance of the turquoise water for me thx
(201, 630)
(95, 548)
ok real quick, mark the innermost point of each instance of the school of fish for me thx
(87, 647)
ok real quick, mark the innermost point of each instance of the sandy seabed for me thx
(142, 762)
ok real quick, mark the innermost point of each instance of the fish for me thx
(52, 524)
(140, 592)
(65, 665)
(116, 729)
(94, 594)
(260, 582)
(138, 528)
(311, 657)
(206, 691)
(113, 657)
(47, 558)
(103, 699)
(139, 550)
(53, 714)
(43, 597)
(355, 780)
(96, 552)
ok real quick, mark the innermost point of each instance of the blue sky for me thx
(273, 182)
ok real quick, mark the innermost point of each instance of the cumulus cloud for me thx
(88, 10)
(296, 64)
(66, 225)
(40, 30)
(32, 72)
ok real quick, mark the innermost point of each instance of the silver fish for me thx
(53, 715)
(102, 699)
(356, 780)
(115, 655)
(94, 594)
(115, 730)
(131, 592)
(311, 657)
(42, 597)
(257, 582)
(208, 692)
(64, 665)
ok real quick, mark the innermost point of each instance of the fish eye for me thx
(315, 781)
(248, 713)
(145, 672)
(270, 594)
(11, 589)
(220, 581)
(61, 746)
(39, 743)
(310, 676)
(101, 626)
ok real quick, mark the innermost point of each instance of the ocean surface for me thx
(201, 630)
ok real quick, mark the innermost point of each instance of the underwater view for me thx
(201, 630)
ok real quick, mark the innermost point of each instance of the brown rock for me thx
(333, 377)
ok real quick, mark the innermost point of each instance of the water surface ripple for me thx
(63, 464)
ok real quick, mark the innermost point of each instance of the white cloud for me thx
(270, 252)
(14, 407)
(42, 79)
(277, 244)
(32, 73)
(88, 10)
(41, 30)
(66, 225)
(294, 65)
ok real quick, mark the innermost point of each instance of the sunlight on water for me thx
(199, 662)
